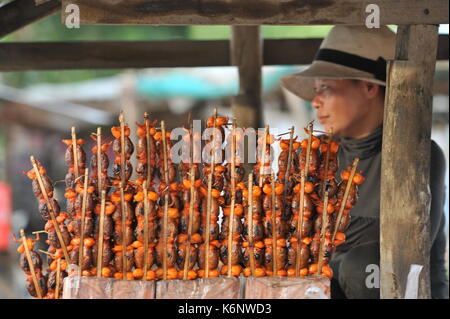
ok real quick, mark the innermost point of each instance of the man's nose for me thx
(316, 102)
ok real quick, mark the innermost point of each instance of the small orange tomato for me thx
(196, 238)
(115, 131)
(267, 189)
(345, 175)
(282, 273)
(309, 187)
(312, 269)
(259, 244)
(256, 191)
(130, 276)
(291, 272)
(137, 244)
(215, 193)
(89, 242)
(106, 272)
(186, 184)
(173, 212)
(304, 272)
(327, 271)
(152, 196)
(86, 273)
(70, 194)
(138, 273)
(75, 241)
(247, 272)
(109, 208)
(151, 275)
(260, 272)
(358, 179)
(139, 197)
(279, 188)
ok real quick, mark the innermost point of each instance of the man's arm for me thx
(439, 281)
(437, 188)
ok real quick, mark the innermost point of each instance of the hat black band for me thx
(375, 67)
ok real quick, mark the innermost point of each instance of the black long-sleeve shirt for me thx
(364, 226)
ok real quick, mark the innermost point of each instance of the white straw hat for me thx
(348, 52)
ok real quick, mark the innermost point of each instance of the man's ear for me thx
(371, 89)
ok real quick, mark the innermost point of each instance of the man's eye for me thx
(322, 88)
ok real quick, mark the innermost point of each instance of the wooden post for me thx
(247, 54)
(405, 166)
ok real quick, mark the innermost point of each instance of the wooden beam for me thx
(405, 164)
(257, 12)
(247, 55)
(19, 13)
(121, 55)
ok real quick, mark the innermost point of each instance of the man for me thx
(346, 85)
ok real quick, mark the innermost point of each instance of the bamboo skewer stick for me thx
(146, 239)
(147, 137)
(274, 227)
(99, 160)
(323, 233)
(263, 156)
(344, 200)
(233, 195)
(83, 221)
(51, 209)
(75, 155)
(250, 224)
(100, 235)
(122, 149)
(191, 206)
(124, 221)
(58, 277)
(327, 161)
(304, 176)
(209, 198)
(30, 263)
(288, 169)
(166, 200)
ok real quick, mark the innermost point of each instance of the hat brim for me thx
(302, 83)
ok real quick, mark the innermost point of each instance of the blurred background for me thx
(37, 110)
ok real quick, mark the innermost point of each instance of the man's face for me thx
(341, 105)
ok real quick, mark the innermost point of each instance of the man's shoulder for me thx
(437, 156)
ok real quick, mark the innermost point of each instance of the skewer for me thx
(122, 148)
(344, 200)
(250, 224)
(74, 150)
(233, 194)
(146, 212)
(209, 198)
(147, 137)
(166, 200)
(304, 176)
(191, 206)
(58, 277)
(124, 218)
(288, 169)
(327, 161)
(274, 227)
(51, 208)
(263, 156)
(30, 263)
(99, 159)
(100, 235)
(83, 221)
(323, 233)
(39, 232)
(45, 252)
